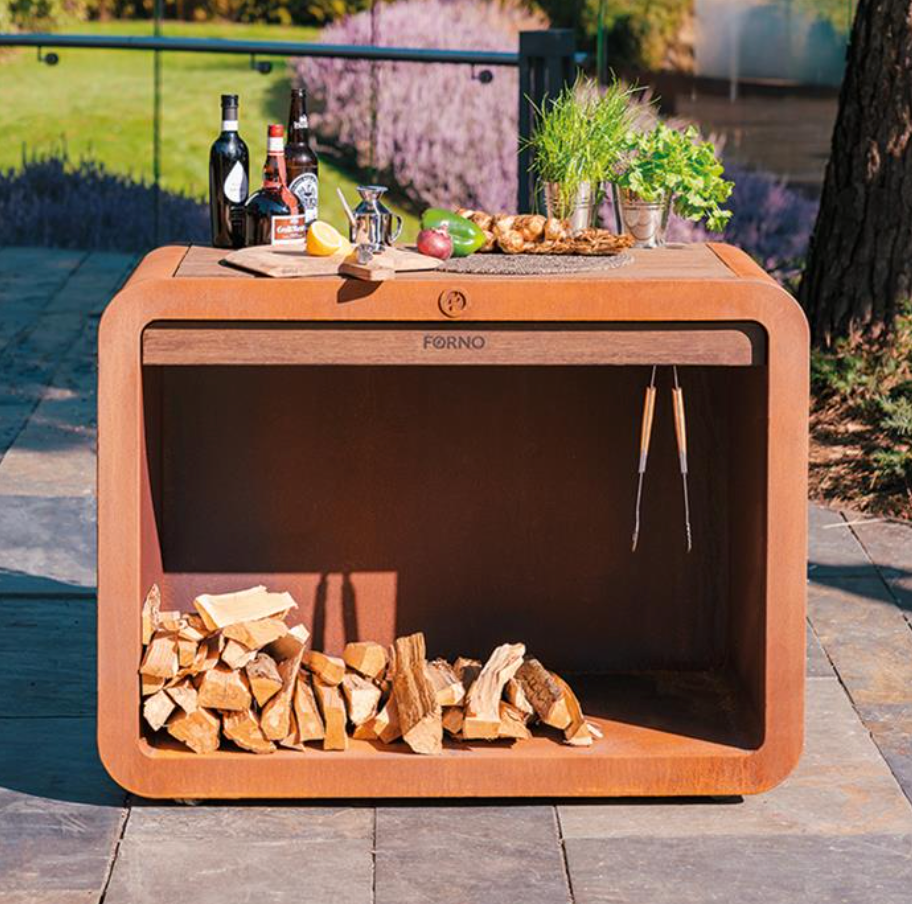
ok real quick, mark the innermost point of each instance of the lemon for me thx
(324, 240)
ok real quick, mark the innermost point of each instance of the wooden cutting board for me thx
(292, 261)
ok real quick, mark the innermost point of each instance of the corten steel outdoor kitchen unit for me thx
(317, 436)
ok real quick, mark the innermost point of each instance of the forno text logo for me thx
(439, 343)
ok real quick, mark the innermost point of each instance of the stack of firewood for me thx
(236, 670)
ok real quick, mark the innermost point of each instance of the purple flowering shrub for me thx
(51, 203)
(444, 138)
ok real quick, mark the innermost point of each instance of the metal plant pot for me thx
(646, 221)
(580, 211)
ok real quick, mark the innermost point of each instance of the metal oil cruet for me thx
(374, 224)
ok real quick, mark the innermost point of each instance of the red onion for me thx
(436, 243)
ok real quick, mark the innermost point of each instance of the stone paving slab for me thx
(889, 544)
(487, 854)
(742, 870)
(842, 786)
(832, 547)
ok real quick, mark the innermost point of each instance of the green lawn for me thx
(99, 103)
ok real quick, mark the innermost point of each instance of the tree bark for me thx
(859, 268)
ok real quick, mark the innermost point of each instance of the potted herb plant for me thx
(669, 169)
(578, 139)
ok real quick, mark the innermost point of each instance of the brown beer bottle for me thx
(300, 158)
(273, 215)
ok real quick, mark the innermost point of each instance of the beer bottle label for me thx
(236, 184)
(306, 189)
(288, 229)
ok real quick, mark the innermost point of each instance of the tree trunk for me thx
(859, 267)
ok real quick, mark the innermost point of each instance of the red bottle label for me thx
(288, 229)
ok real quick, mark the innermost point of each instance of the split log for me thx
(386, 725)
(185, 695)
(207, 656)
(416, 700)
(171, 621)
(276, 717)
(186, 651)
(365, 657)
(513, 722)
(453, 717)
(362, 696)
(293, 740)
(307, 716)
(199, 730)
(515, 695)
(149, 685)
(257, 634)
(290, 645)
(160, 659)
(544, 693)
(328, 669)
(244, 729)
(236, 656)
(192, 627)
(224, 688)
(482, 709)
(447, 684)
(577, 732)
(151, 608)
(157, 709)
(467, 670)
(223, 609)
(265, 680)
(332, 706)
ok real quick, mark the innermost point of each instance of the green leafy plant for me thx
(579, 137)
(667, 161)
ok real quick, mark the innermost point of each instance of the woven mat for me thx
(534, 264)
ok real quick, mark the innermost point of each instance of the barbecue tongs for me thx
(677, 397)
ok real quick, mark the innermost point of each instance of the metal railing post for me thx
(547, 62)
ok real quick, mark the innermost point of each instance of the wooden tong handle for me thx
(680, 426)
(646, 428)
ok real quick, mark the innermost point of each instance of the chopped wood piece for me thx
(151, 608)
(467, 670)
(577, 732)
(329, 669)
(544, 693)
(207, 656)
(199, 730)
(366, 657)
(236, 656)
(160, 659)
(513, 722)
(265, 680)
(293, 740)
(156, 710)
(224, 688)
(276, 717)
(416, 700)
(223, 609)
(515, 694)
(257, 634)
(186, 651)
(482, 709)
(171, 621)
(362, 696)
(386, 725)
(447, 684)
(244, 729)
(453, 717)
(307, 716)
(149, 685)
(192, 627)
(185, 695)
(365, 731)
(332, 706)
(290, 645)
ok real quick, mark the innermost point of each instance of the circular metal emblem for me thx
(453, 303)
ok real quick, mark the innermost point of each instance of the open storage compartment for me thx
(483, 495)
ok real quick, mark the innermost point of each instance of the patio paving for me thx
(839, 829)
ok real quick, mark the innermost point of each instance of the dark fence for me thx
(546, 60)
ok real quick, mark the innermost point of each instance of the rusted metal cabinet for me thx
(457, 455)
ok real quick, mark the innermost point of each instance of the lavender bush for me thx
(53, 203)
(444, 138)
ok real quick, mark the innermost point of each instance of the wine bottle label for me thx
(229, 125)
(288, 229)
(236, 184)
(306, 188)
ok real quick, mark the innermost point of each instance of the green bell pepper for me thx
(467, 237)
